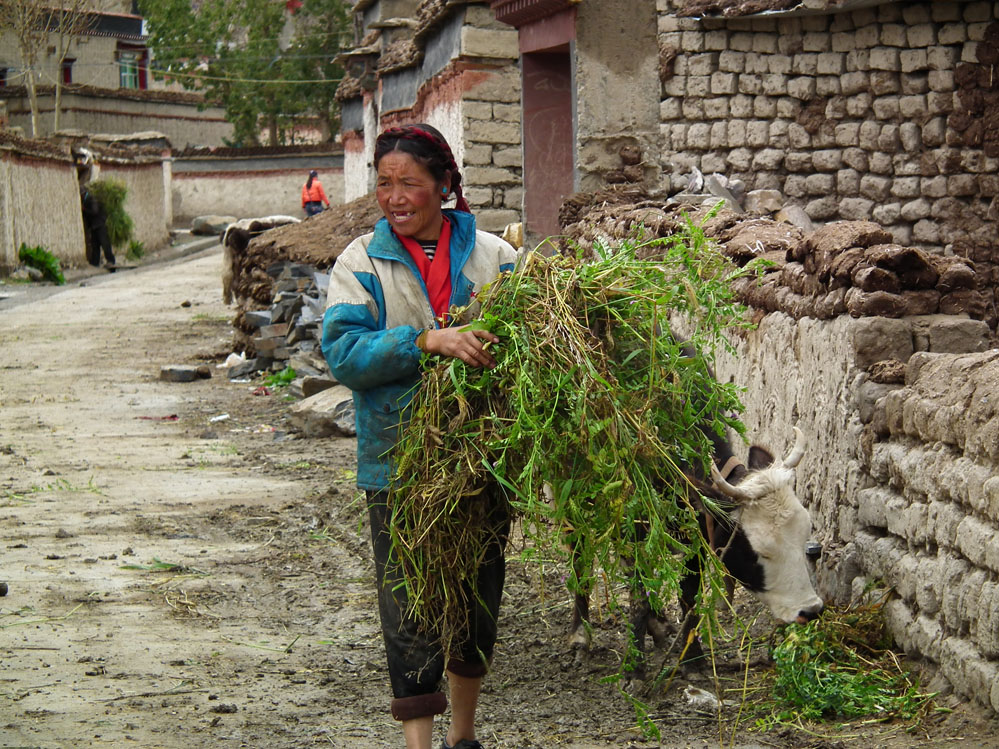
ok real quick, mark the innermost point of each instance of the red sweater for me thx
(314, 194)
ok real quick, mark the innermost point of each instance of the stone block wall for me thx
(887, 113)
(460, 75)
(492, 162)
(901, 480)
(928, 524)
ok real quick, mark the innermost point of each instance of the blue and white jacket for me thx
(376, 306)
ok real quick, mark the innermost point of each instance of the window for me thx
(132, 63)
(128, 69)
(67, 70)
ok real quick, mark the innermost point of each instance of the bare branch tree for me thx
(39, 26)
(27, 20)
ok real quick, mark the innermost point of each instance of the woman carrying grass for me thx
(389, 300)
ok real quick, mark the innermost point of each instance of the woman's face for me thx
(409, 196)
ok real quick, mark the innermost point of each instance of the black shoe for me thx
(463, 744)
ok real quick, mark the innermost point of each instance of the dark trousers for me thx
(313, 207)
(100, 241)
(416, 661)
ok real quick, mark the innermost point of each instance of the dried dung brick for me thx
(874, 303)
(954, 274)
(964, 302)
(922, 302)
(872, 278)
(836, 237)
(912, 266)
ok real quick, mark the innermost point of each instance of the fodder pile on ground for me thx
(586, 423)
(842, 666)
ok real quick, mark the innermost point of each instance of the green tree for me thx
(268, 68)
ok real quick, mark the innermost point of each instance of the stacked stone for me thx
(289, 333)
(492, 163)
(884, 113)
(929, 527)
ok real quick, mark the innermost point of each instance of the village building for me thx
(107, 85)
(453, 66)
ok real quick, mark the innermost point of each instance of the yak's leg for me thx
(579, 631)
(690, 646)
(639, 614)
(659, 629)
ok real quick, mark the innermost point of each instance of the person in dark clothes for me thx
(95, 226)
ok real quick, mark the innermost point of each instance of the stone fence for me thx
(251, 182)
(882, 113)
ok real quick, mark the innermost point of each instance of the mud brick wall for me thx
(895, 392)
(29, 169)
(901, 480)
(928, 524)
(888, 113)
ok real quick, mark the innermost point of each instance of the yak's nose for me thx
(812, 612)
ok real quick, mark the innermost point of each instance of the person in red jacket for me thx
(313, 195)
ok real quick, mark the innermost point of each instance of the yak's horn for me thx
(726, 488)
(797, 451)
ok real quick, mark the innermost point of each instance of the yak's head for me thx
(776, 526)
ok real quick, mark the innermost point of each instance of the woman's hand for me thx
(462, 343)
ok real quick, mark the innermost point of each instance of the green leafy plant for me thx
(111, 194)
(136, 250)
(586, 421)
(43, 260)
(281, 379)
(841, 666)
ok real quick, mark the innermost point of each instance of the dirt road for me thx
(184, 571)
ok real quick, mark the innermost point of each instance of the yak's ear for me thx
(759, 458)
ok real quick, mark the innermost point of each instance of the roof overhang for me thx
(521, 12)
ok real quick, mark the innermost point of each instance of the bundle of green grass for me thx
(111, 194)
(585, 424)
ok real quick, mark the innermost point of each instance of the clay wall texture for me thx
(901, 479)
(121, 112)
(250, 187)
(146, 199)
(54, 221)
(30, 169)
(887, 113)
